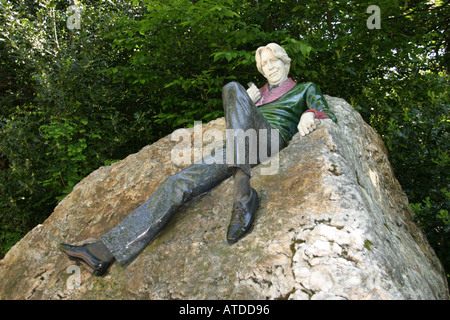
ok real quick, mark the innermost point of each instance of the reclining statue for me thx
(282, 107)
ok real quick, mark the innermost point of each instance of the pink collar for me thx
(276, 93)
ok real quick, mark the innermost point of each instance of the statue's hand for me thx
(254, 93)
(308, 123)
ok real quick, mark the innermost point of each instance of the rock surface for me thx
(332, 224)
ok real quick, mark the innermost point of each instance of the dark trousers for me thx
(136, 231)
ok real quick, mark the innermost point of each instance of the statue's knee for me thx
(232, 86)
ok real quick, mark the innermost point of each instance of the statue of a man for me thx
(281, 104)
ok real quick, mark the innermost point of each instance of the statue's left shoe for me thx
(95, 256)
(242, 217)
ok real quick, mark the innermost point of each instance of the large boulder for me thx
(333, 223)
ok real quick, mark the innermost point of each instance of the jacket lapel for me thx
(268, 96)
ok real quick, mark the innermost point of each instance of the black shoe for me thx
(242, 218)
(83, 255)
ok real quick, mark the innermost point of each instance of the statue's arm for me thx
(317, 109)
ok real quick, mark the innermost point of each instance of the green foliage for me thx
(61, 116)
(73, 100)
(417, 136)
(435, 220)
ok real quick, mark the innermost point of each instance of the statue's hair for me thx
(278, 51)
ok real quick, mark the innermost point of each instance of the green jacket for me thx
(284, 113)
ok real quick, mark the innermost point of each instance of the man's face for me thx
(273, 68)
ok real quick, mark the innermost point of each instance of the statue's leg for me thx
(135, 232)
(244, 119)
(250, 131)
